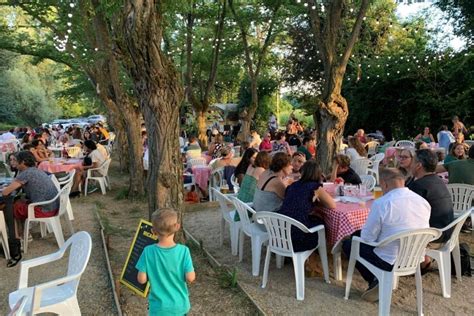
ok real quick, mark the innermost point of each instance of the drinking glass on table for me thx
(362, 189)
(377, 192)
(225, 188)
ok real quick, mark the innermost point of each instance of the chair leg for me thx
(102, 185)
(256, 254)
(324, 259)
(298, 265)
(266, 267)
(234, 239)
(86, 182)
(444, 266)
(419, 291)
(337, 262)
(58, 232)
(395, 282)
(25, 236)
(280, 261)
(350, 272)
(385, 293)
(457, 261)
(241, 245)
(221, 240)
(69, 210)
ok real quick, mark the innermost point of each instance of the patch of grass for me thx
(122, 194)
(110, 229)
(227, 279)
(100, 205)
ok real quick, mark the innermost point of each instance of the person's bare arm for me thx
(334, 173)
(280, 188)
(15, 185)
(324, 198)
(190, 276)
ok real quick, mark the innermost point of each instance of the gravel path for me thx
(321, 298)
(94, 294)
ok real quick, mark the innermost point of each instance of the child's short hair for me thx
(165, 221)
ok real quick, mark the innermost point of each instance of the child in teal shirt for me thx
(167, 266)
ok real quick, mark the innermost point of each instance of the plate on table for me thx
(72, 161)
(352, 199)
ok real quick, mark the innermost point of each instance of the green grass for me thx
(122, 194)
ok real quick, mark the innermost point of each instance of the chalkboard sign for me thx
(143, 237)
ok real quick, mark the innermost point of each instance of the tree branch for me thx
(354, 34)
(267, 41)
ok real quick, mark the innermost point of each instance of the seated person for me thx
(216, 146)
(456, 152)
(94, 159)
(460, 171)
(399, 209)
(247, 160)
(226, 159)
(255, 139)
(249, 182)
(39, 151)
(343, 170)
(301, 198)
(37, 186)
(266, 144)
(297, 161)
(429, 186)
(193, 150)
(272, 184)
(280, 144)
(421, 145)
(308, 141)
(356, 149)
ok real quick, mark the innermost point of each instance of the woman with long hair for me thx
(405, 160)
(457, 152)
(356, 150)
(247, 159)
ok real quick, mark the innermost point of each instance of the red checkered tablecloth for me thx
(344, 220)
(201, 175)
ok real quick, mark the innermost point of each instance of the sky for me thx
(438, 21)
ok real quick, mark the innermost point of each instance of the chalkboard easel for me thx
(143, 237)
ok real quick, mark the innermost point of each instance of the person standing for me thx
(167, 266)
(445, 138)
(458, 127)
(272, 123)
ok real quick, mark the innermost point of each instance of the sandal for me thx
(13, 261)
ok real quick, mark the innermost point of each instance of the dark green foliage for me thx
(462, 16)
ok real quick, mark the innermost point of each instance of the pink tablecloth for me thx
(60, 165)
(7, 147)
(344, 220)
(201, 176)
(390, 154)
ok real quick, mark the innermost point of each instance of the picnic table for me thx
(344, 220)
(56, 165)
(201, 175)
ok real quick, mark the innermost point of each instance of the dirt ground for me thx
(211, 294)
(321, 298)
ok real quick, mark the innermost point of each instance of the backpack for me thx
(466, 269)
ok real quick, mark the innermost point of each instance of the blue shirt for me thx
(166, 270)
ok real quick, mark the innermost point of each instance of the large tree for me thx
(160, 93)
(90, 49)
(335, 48)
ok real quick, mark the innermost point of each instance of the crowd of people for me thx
(30, 184)
(278, 173)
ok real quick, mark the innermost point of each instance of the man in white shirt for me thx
(397, 210)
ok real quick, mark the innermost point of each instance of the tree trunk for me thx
(202, 128)
(160, 92)
(331, 117)
(251, 110)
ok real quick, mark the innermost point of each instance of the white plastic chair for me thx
(462, 196)
(256, 232)
(442, 255)
(215, 181)
(62, 182)
(227, 216)
(360, 166)
(101, 176)
(411, 250)
(374, 169)
(369, 181)
(197, 162)
(336, 260)
(405, 143)
(58, 296)
(4, 236)
(279, 229)
(18, 309)
(371, 148)
(52, 223)
(235, 184)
